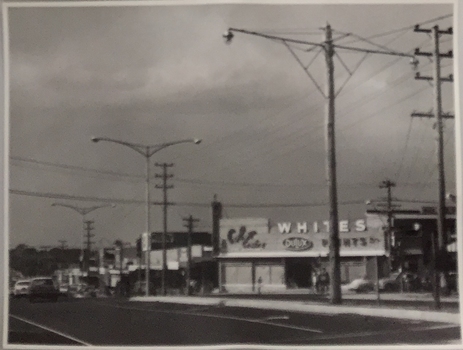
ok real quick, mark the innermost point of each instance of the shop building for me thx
(203, 267)
(257, 255)
(412, 241)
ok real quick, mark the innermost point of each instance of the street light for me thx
(147, 151)
(83, 211)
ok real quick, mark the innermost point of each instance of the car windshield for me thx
(23, 283)
(43, 282)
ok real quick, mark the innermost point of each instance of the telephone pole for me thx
(88, 228)
(388, 185)
(334, 257)
(165, 176)
(190, 223)
(216, 216)
(62, 246)
(439, 116)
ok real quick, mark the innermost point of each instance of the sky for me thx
(162, 73)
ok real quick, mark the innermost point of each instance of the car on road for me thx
(21, 288)
(359, 285)
(43, 288)
(397, 280)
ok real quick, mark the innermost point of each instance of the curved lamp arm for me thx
(83, 211)
(145, 150)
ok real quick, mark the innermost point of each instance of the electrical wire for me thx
(404, 152)
(405, 28)
(184, 204)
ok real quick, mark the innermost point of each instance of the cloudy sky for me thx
(155, 74)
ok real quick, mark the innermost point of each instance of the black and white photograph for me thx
(231, 174)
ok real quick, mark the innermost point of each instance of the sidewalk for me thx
(320, 307)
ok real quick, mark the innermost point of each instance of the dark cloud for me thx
(161, 73)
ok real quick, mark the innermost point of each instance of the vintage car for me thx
(43, 288)
(21, 288)
(359, 285)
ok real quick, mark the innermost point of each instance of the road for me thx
(120, 322)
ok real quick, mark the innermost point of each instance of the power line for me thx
(404, 152)
(74, 167)
(192, 204)
(206, 182)
(404, 28)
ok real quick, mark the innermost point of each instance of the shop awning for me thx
(285, 254)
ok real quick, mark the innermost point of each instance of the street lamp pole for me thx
(146, 151)
(83, 211)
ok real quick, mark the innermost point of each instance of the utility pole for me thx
(334, 257)
(190, 222)
(88, 228)
(388, 185)
(62, 247)
(439, 116)
(216, 216)
(165, 176)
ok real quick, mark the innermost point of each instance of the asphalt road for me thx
(120, 322)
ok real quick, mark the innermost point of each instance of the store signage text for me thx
(297, 243)
(316, 227)
(244, 237)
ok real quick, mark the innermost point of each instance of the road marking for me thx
(373, 333)
(442, 326)
(235, 318)
(271, 318)
(51, 330)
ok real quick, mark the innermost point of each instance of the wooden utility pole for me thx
(190, 223)
(388, 184)
(335, 270)
(439, 116)
(61, 256)
(88, 235)
(164, 187)
(216, 216)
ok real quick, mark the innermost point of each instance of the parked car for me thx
(410, 282)
(43, 288)
(21, 288)
(359, 285)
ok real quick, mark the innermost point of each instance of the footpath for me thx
(359, 304)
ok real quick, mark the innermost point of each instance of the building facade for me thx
(254, 254)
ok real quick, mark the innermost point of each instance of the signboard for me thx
(144, 242)
(254, 238)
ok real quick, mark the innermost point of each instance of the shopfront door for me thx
(298, 272)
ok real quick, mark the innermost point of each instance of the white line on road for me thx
(441, 326)
(271, 318)
(51, 330)
(374, 333)
(235, 318)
